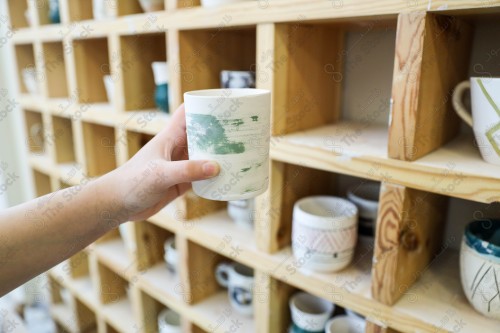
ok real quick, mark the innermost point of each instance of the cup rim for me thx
(351, 207)
(164, 315)
(227, 93)
(330, 305)
(477, 236)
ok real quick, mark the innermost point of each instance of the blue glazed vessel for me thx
(480, 266)
(161, 97)
(54, 16)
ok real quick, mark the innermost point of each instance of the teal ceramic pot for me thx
(480, 266)
(54, 16)
(161, 97)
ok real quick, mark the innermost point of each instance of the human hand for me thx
(158, 173)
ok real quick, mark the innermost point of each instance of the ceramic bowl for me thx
(480, 266)
(345, 324)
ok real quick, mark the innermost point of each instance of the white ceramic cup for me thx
(171, 255)
(217, 3)
(127, 234)
(109, 84)
(324, 232)
(309, 312)
(160, 72)
(480, 266)
(30, 80)
(485, 118)
(242, 211)
(365, 196)
(152, 5)
(103, 9)
(345, 324)
(237, 79)
(239, 281)
(232, 127)
(169, 321)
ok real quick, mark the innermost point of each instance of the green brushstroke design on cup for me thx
(208, 134)
(491, 131)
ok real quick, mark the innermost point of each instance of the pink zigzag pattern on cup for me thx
(326, 241)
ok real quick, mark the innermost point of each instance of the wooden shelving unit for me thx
(409, 282)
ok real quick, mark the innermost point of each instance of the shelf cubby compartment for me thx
(42, 183)
(78, 318)
(100, 148)
(35, 131)
(63, 140)
(205, 53)
(25, 58)
(130, 7)
(135, 141)
(137, 54)
(116, 303)
(80, 10)
(200, 289)
(150, 250)
(55, 69)
(150, 309)
(17, 10)
(92, 59)
(78, 265)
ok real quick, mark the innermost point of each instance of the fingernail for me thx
(210, 169)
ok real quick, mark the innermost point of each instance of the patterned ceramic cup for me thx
(232, 127)
(324, 232)
(309, 313)
(485, 119)
(480, 266)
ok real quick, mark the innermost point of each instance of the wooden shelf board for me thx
(145, 121)
(42, 163)
(455, 170)
(64, 316)
(120, 315)
(158, 281)
(351, 287)
(243, 14)
(31, 102)
(114, 255)
(165, 218)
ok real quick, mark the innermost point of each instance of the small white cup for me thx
(103, 9)
(30, 80)
(365, 196)
(239, 281)
(231, 127)
(169, 321)
(309, 312)
(127, 235)
(160, 72)
(171, 255)
(237, 79)
(152, 5)
(242, 211)
(345, 324)
(324, 232)
(109, 84)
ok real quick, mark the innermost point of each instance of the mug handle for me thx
(222, 274)
(457, 102)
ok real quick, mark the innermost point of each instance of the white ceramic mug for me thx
(239, 281)
(242, 211)
(152, 5)
(324, 232)
(103, 9)
(232, 127)
(310, 313)
(480, 266)
(109, 84)
(171, 255)
(485, 118)
(127, 234)
(169, 321)
(237, 79)
(30, 80)
(345, 324)
(365, 196)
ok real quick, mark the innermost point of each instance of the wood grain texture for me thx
(63, 140)
(374, 328)
(197, 271)
(54, 69)
(99, 149)
(432, 53)
(409, 232)
(272, 313)
(150, 240)
(190, 206)
(111, 286)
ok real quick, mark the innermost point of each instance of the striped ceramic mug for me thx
(485, 118)
(480, 266)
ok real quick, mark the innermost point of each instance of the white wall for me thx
(13, 154)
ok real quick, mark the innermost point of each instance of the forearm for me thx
(38, 234)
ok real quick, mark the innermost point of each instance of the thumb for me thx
(187, 171)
